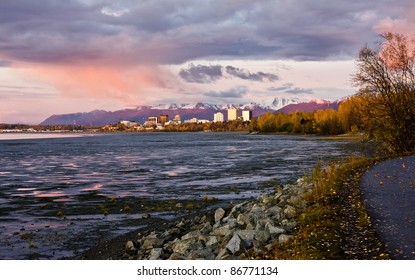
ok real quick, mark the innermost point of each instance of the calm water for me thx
(87, 177)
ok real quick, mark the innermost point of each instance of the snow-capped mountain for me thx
(279, 102)
(199, 110)
(274, 104)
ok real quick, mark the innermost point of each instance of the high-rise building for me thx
(232, 114)
(246, 115)
(163, 119)
(218, 117)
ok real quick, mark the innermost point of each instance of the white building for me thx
(129, 123)
(218, 117)
(151, 121)
(192, 120)
(232, 114)
(203, 121)
(177, 119)
(247, 115)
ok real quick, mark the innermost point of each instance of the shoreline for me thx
(238, 231)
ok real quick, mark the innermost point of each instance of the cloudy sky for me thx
(81, 55)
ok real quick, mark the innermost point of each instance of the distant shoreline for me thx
(40, 135)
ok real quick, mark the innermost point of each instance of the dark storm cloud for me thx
(201, 73)
(298, 90)
(245, 75)
(236, 92)
(282, 88)
(163, 32)
(290, 88)
(207, 74)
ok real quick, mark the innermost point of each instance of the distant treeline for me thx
(237, 125)
(13, 126)
(68, 127)
(321, 122)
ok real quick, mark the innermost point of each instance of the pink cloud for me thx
(405, 25)
(131, 85)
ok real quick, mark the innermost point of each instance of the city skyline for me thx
(65, 57)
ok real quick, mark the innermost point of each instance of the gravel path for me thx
(388, 190)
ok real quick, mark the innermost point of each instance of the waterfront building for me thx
(192, 120)
(151, 121)
(129, 123)
(218, 117)
(232, 114)
(203, 121)
(246, 115)
(163, 119)
(177, 119)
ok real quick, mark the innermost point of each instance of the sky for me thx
(82, 55)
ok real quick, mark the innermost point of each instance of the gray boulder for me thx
(219, 213)
(235, 245)
(156, 253)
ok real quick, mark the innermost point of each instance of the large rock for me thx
(262, 236)
(273, 230)
(212, 242)
(267, 199)
(182, 247)
(290, 211)
(131, 248)
(249, 226)
(242, 220)
(274, 212)
(257, 209)
(151, 243)
(288, 225)
(235, 245)
(156, 253)
(247, 236)
(192, 235)
(219, 213)
(222, 231)
(263, 222)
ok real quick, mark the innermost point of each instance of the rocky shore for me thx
(236, 232)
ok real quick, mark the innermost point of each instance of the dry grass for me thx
(335, 215)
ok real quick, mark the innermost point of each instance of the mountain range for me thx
(187, 111)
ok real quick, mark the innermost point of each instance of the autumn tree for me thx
(386, 97)
(348, 115)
